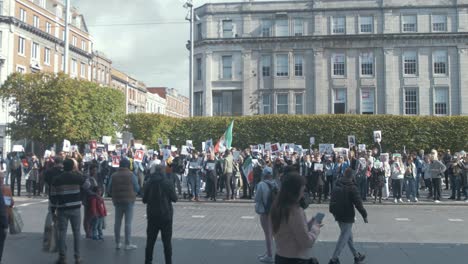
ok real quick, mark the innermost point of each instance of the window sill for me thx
(338, 77)
(367, 77)
(410, 76)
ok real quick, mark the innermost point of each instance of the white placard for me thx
(377, 136)
(362, 147)
(106, 139)
(326, 148)
(210, 166)
(194, 165)
(203, 146)
(351, 141)
(236, 155)
(115, 161)
(47, 154)
(184, 150)
(312, 140)
(66, 146)
(18, 148)
(189, 143)
(275, 148)
(111, 147)
(318, 167)
(268, 146)
(384, 157)
(138, 146)
(167, 154)
(291, 148)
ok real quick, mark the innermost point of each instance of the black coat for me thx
(3, 213)
(344, 198)
(159, 195)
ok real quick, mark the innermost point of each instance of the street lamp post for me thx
(190, 46)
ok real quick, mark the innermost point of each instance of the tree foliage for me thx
(397, 131)
(49, 107)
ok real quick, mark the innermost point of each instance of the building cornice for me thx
(21, 25)
(322, 40)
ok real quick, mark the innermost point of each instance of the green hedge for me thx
(397, 131)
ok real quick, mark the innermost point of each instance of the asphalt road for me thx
(212, 233)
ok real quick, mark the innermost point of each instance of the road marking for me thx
(456, 220)
(402, 219)
(198, 216)
(28, 204)
(247, 217)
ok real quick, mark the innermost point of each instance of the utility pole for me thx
(67, 37)
(190, 18)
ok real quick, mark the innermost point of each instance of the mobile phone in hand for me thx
(319, 218)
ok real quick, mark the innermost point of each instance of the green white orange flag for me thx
(226, 139)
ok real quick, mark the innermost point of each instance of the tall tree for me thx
(49, 107)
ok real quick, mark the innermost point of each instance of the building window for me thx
(227, 103)
(282, 103)
(227, 67)
(441, 101)
(20, 69)
(440, 62)
(266, 65)
(439, 23)
(298, 27)
(266, 28)
(83, 70)
(367, 101)
(35, 51)
(299, 103)
(411, 102)
(74, 41)
(367, 64)
(36, 21)
(266, 104)
(298, 65)
(338, 64)
(83, 45)
(366, 24)
(282, 27)
(199, 69)
(338, 25)
(198, 103)
(74, 67)
(410, 63)
(227, 28)
(199, 31)
(47, 56)
(48, 27)
(409, 23)
(21, 45)
(282, 65)
(339, 103)
(23, 15)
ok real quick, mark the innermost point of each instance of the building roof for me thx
(161, 91)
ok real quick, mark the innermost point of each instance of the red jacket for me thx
(97, 207)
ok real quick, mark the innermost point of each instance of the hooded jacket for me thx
(158, 196)
(344, 198)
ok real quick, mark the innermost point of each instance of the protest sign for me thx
(93, 144)
(351, 141)
(362, 147)
(194, 165)
(318, 167)
(377, 136)
(291, 148)
(47, 154)
(66, 146)
(167, 154)
(139, 154)
(384, 157)
(236, 155)
(267, 146)
(18, 148)
(203, 146)
(110, 147)
(106, 139)
(184, 150)
(115, 161)
(275, 148)
(312, 140)
(209, 145)
(189, 143)
(326, 148)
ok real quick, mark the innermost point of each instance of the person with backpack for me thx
(267, 190)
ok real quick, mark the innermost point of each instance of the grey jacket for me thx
(228, 164)
(436, 169)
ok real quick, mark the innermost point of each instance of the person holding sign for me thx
(318, 178)
(193, 177)
(398, 171)
(211, 178)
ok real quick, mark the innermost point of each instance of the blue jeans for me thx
(418, 179)
(121, 210)
(63, 217)
(97, 225)
(410, 188)
(346, 237)
(195, 184)
(362, 186)
(456, 187)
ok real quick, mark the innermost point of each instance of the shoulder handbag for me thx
(16, 225)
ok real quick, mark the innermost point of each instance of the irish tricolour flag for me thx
(226, 140)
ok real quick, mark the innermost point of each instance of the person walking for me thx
(293, 234)
(436, 170)
(159, 194)
(345, 197)
(65, 195)
(123, 186)
(266, 190)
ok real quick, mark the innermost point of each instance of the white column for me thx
(463, 81)
(249, 97)
(207, 93)
(320, 96)
(392, 98)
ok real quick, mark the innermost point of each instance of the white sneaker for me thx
(409, 201)
(401, 201)
(416, 200)
(130, 247)
(118, 246)
(266, 259)
(437, 201)
(395, 201)
(261, 256)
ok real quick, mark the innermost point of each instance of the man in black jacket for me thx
(159, 195)
(344, 198)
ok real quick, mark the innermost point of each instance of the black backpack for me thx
(178, 165)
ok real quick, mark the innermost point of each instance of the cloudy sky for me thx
(144, 38)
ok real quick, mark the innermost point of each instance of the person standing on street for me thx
(266, 190)
(228, 169)
(159, 195)
(211, 178)
(123, 186)
(345, 197)
(15, 173)
(436, 170)
(65, 195)
(398, 171)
